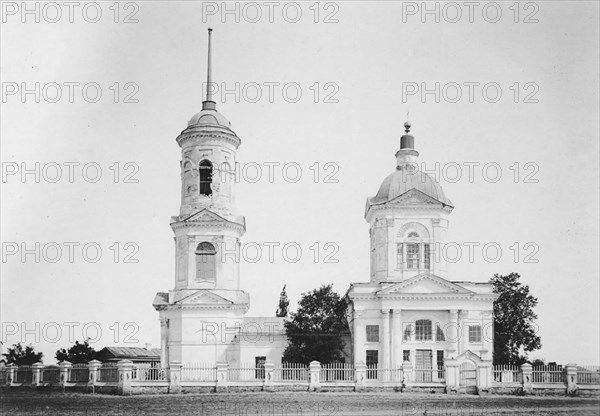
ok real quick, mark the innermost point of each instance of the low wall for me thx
(127, 379)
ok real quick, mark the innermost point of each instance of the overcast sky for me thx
(365, 65)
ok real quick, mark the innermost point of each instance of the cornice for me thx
(223, 135)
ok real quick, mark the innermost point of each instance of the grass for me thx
(23, 402)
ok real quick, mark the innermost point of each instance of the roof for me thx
(406, 178)
(209, 117)
(129, 353)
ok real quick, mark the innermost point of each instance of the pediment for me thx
(414, 197)
(425, 283)
(204, 297)
(205, 216)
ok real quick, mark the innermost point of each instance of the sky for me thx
(503, 102)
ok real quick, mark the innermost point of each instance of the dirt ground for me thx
(286, 403)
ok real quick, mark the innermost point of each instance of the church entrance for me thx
(423, 362)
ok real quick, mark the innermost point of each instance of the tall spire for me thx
(209, 104)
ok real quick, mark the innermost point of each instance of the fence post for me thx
(175, 377)
(360, 371)
(407, 373)
(268, 382)
(93, 367)
(222, 376)
(315, 372)
(527, 373)
(64, 368)
(485, 376)
(10, 374)
(125, 368)
(36, 374)
(571, 378)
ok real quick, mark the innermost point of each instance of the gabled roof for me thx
(425, 283)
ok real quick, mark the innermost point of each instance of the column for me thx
(487, 335)
(396, 339)
(385, 341)
(453, 334)
(164, 342)
(358, 338)
(463, 331)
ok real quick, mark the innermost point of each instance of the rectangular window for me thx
(412, 256)
(440, 359)
(426, 256)
(259, 368)
(407, 333)
(440, 365)
(372, 361)
(372, 333)
(400, 256)
(474, 333)
(406, 355)
(423, 330)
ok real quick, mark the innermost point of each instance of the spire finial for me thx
(407, 123)
(209, 104)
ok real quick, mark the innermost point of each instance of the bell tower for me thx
(207, 239)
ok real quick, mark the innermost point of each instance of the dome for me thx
(209, 117)
(406, 178)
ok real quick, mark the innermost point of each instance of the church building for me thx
(408, 313)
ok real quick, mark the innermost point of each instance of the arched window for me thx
(205, 170)
(206, 262)
(413, 249)
(423, 330)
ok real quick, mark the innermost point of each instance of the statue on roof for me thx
(282, 311)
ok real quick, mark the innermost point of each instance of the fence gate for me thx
(468, 374)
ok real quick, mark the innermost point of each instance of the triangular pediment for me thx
(414, 197)
(425, 283)
(204, 215)
(204, 297)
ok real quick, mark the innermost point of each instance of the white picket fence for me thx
(198, 372)
(548, 374)
(291, 372)
(588, 375)
(336, 372)
(507, 374)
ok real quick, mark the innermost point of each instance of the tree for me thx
(284, 302)
(316, 329)
(19, 356)
(77, 354)
(514, 330)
